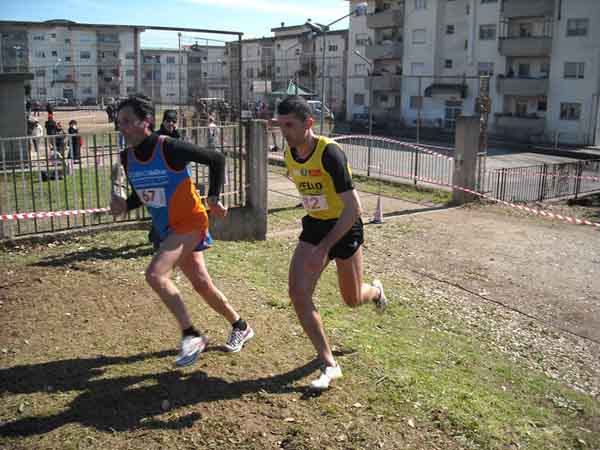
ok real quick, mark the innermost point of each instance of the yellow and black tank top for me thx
(315, 183)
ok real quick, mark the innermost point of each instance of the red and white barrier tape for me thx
(537, 212)
(549, 174)
(393, 141)
(48, 214)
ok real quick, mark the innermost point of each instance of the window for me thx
(487, 32)
(521, 108)
(297, 52)
(449, 29)
(40, 72)
(417, 68)
(67, 40)
(577, 27)
(570, 111)
(524, 70)
(420, 4)
(542, 104)
(130, 55)
(448, 64)
(85, 75)
(359, 99)
(86, 90)
(332, 48)
(170, 76)
(574, 70)
(362, 39)
(39, 38)
(170, 60)
(85, 54)
(39, 54)
(489, 1)
(130, 73)
(486, 68)
(545, 68)
(360, 69)
(52, 35)
(54, 53)
(41, 91)
(130, 89)
(418, 36)
(67, 59)
(416, 102)
(250, 72)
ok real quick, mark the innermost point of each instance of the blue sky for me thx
(254, 18)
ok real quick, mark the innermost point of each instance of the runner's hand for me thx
(118, 206)
(316, 259)
(217, 210)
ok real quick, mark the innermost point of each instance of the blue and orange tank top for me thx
(169, 195)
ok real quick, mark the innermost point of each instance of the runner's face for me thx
(295, 131)
(133, 128)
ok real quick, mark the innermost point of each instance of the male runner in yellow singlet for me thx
(332, 228)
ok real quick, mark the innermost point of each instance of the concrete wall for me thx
(250, 221)
(12, 104)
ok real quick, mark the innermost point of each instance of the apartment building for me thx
(543, 57)
(164, 75)
(71, 60)
(294, 54)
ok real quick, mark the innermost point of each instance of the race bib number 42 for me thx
(154, 197)
(314, 202)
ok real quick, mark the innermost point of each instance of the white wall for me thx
(584, 49)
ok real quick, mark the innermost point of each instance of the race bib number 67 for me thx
(154, 197)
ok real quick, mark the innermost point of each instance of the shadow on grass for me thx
(127, 403)
(97, 253)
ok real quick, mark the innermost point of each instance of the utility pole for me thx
(179, 78)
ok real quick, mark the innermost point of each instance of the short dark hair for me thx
(295, 105)
(170, 114)
(141, 104)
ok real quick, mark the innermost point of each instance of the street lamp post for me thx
(18, 54)
(359, 10)
(54, 71)
(370, 78)
(286, 66)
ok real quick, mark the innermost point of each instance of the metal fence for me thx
(50, 175)
(387, 159)
(544, 181)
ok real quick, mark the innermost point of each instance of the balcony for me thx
(385, 82)
(389, 50)
(526, 46)
(523, 87)
(529, 8)
(388, 18)
(520, 125)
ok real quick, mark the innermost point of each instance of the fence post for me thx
(465, 160)
(543, 182)
(416, 167)
(578, 179)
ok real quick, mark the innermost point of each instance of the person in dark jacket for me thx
(75, 141)
(168, 127)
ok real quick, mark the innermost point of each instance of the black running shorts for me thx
(314, 230)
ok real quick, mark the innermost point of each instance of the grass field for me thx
(87, 356)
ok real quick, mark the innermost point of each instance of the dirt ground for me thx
(531, 284)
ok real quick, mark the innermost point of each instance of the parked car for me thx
(360, 122)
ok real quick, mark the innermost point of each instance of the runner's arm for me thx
(180, 153)
(336, 164)
(133, 201)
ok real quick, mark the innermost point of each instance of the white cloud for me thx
(280, 7)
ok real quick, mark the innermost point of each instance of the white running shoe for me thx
(328, 374)
(382, 302)
(237, 338)
(191, 347)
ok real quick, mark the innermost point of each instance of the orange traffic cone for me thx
(378, 215)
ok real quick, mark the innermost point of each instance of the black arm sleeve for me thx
(336, 164)
(179, 154)
(133, 201)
